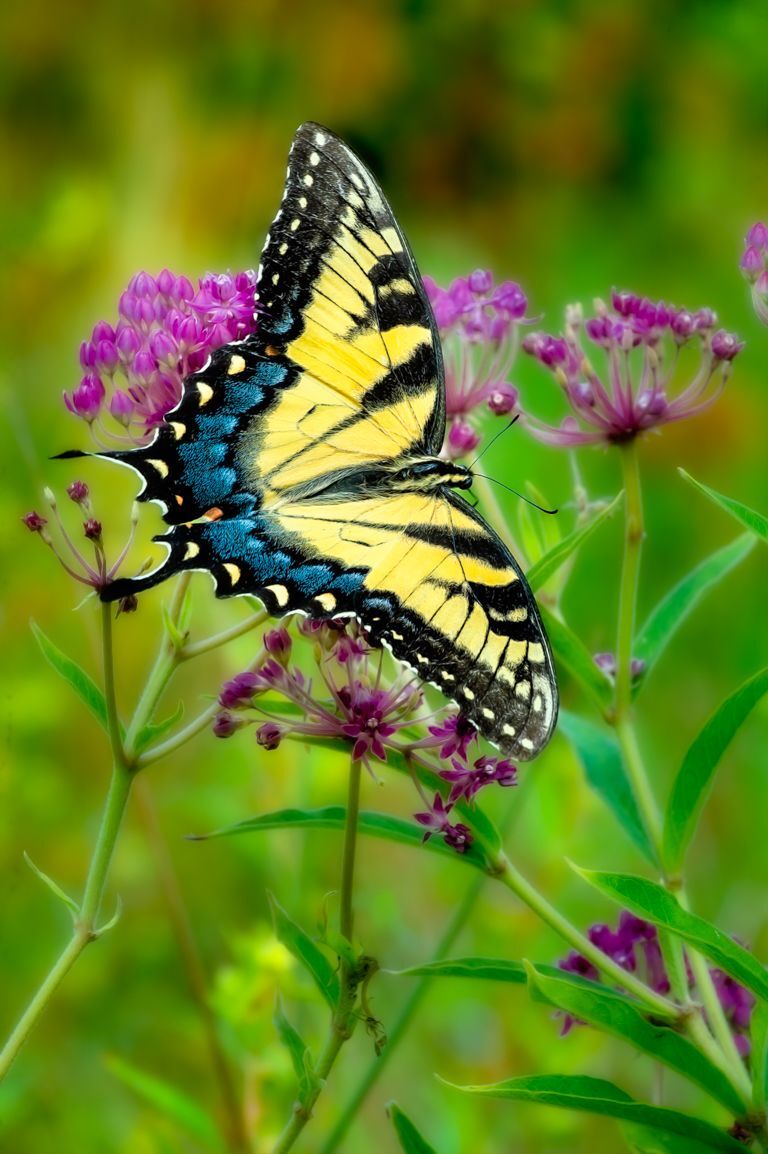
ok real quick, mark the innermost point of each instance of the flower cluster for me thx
(353, 704)
(167, 329)
(479, 325)
(754, 265)
(640, 341)
(634, 946)
(95, 575)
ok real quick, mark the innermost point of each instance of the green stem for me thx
(165, 666)
(163, 748)
(403, 1020)
(235, 1127)
(721, 1048)
(208, 643)
(634, 532)
(659, 1006)
(714, 1013)
(346, 911)
(633, 542)
(344, 1018)
(85, 929)
(641, 786)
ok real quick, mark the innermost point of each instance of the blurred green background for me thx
(570, 146)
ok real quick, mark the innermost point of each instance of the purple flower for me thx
(634, 945)
(277, 643)
(34, 522)
(607, 662)
(435, 820)
(240, 690)
(754, 266)
(367, 719)
(454, 736)
(467, 781)
(639, 342)
(351, 702)
(225, 724)
(738, 1004)
(78, 492)
(166, 330)
(97, 573)
(87, 398)
(479, 327)
(269, 735)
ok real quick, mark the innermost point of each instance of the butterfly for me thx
(301, 464)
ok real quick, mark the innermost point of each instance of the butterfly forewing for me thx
(340, 297)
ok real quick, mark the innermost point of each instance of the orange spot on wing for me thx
(213, 514)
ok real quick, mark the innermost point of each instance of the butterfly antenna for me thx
(517, 493)
(494, 439)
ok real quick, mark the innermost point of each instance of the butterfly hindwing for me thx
(444, 593)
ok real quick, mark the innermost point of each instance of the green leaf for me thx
(82, 683)
(300, 1054)
(753, 520)
(647, 1140)
(615, 1014)
(485, 969)
(597, 1096)
(695, 776)
(599, 754)
(153, 731)
(653, 902)
(53, 886)
(411, 1141)
(576, 658)
(758, 1054)
(306, 953)
(680, 602)
(335, 816)
(169, 1101)
(540, 573)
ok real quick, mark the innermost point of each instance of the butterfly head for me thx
(425, 473)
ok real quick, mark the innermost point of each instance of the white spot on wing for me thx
(279, 592)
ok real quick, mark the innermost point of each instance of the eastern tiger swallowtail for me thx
(312, 447)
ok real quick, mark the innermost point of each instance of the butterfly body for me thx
(302, 463)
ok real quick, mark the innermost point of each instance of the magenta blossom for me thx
(167, 328)
(639, 342)
(94, 573)
(467, 781)
(435, 820)
(350, 702)
(479, 325)
(634, 945)
(754, 266)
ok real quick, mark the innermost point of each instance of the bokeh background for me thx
(571, 146)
